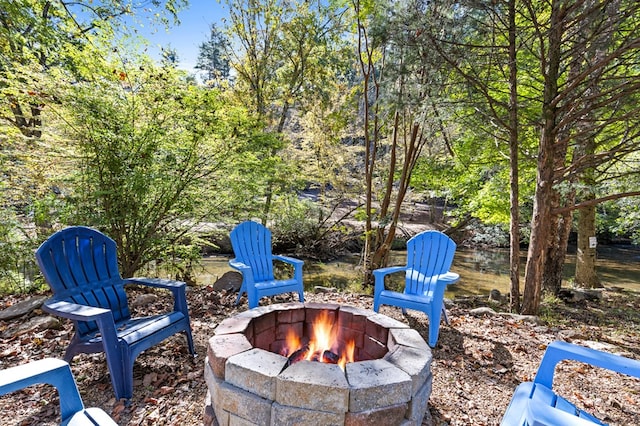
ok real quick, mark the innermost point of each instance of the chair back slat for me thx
(251, 242)
(80, 265)
(429, 254)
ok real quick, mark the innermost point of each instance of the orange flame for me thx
(324, 337)
(347, 354)
(324, 334)
(293, 343)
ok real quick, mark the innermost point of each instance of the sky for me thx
(186, 38)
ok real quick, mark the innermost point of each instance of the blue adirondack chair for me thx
(54, 372)
(535, 403)
(80, 265)
(251, 244)
(429, 257)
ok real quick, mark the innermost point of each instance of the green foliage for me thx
(290, 59)
(16, 260)
(550, 308)
(152, 149)
(212, 57)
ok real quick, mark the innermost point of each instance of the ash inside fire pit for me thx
(316, 364)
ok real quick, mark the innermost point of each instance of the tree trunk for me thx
(30, 127)
(541, 218)
(560, 224)
(540, 231)
(514, 210)
(586, 275)
(556, 254)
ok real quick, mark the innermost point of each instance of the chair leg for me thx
(243, 289)
(127, 377)
(192, 348)
(120, 367)
(434, 316)
(434, 330)
(444, 313)
(253, 298)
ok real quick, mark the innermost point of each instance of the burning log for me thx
(329, 357)
(298, 355)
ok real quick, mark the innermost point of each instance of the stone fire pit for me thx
(251, 384)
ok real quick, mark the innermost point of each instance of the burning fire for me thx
(324, 344)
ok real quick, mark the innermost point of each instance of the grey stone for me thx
(22, 308)
(415, 362)
(282, 415)
(478, 312)
(255, 371)
(376, 383)
(313, 385)
(34, 324)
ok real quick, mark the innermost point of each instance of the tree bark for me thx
(556, 253)
(514, 210)
(586, 275)
(541, 218)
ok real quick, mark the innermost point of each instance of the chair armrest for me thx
(540, 414)
(178, 288)
(74, 311)
(449, 278)
(247, 272)
(559, 351)
(380, 273)
(52, 371)
(297, 265)
(290, 260)
(236, 264)
(156, 282)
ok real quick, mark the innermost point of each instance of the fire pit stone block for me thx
(373, 349)
(255, 371)
(415, 362)
(250, 384)
(407, 337)
(418, 404)
(314, 386)
(391, 415)
(378, 326)
(375, 384)
(246, 405)
(221, 347)
(233, 325)
(213, 394)
(289, 313)
(287, 415)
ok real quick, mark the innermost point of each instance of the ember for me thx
(324, 344)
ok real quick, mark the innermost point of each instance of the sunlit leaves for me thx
(152, 150)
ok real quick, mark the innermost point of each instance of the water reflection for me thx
(480, 270)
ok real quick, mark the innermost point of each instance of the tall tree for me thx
(564, 33)
(400, 80)
(212, 56)
(284, 57)
(570, 97)
(479, 43)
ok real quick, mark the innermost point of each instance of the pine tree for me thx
(212, 57)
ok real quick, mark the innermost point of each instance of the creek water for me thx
(480, 270)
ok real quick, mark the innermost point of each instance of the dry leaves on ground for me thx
(476, 366)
